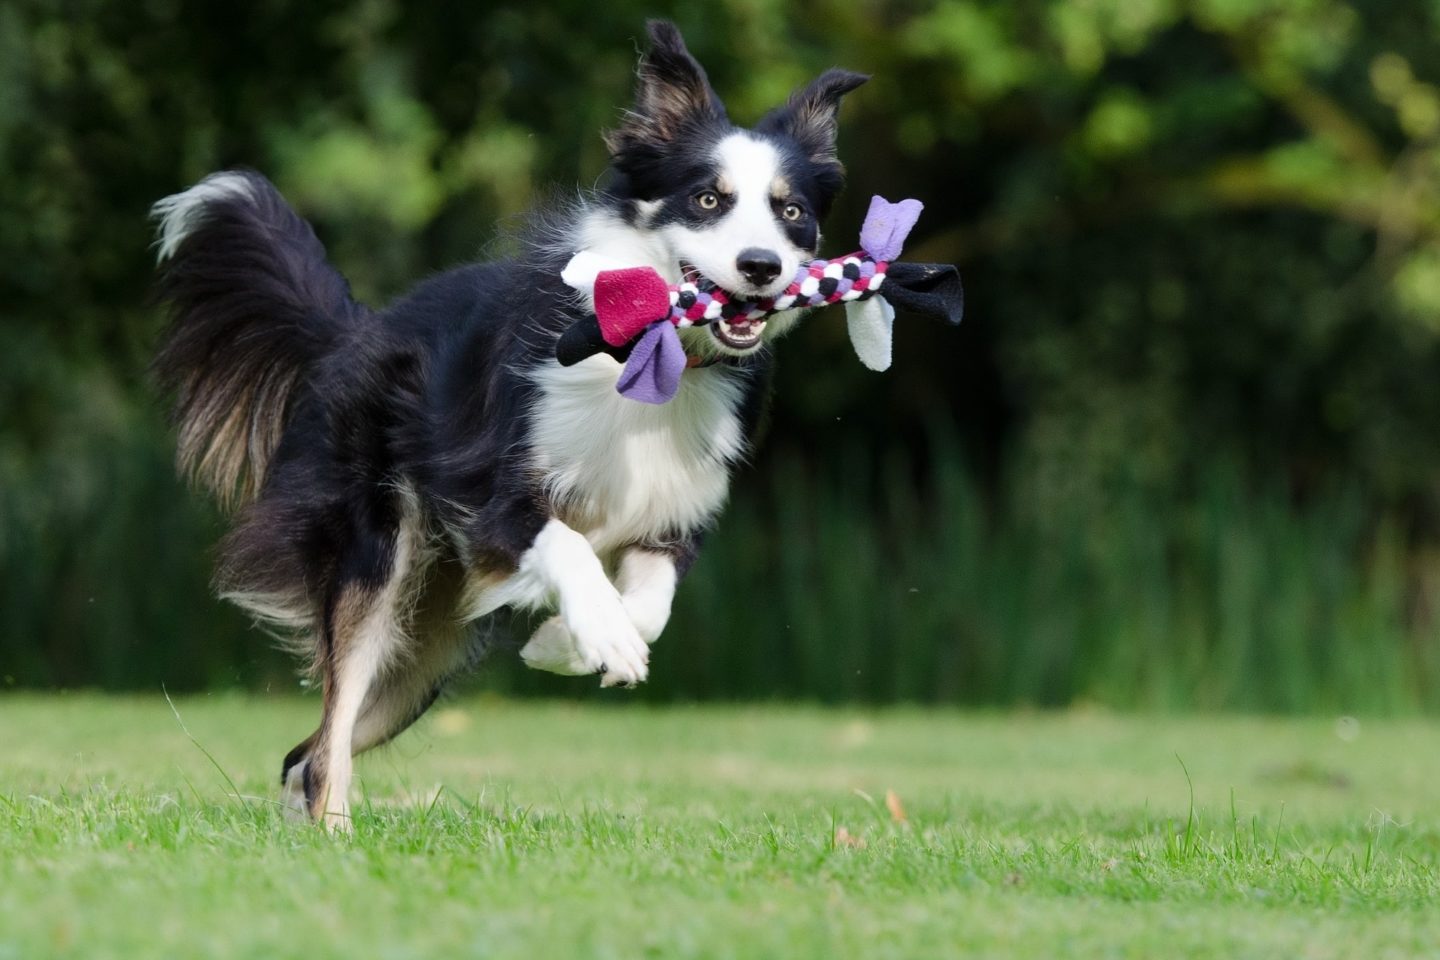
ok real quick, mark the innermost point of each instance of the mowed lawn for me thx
(505, 829)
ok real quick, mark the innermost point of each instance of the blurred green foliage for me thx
(1182, 452)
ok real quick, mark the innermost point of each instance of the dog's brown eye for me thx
(792, 211)
(708, 200)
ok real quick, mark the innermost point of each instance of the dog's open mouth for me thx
(738, 334)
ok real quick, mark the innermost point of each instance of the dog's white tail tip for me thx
(179, 214)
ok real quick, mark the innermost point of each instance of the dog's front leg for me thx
(593, 631)
(646, 582)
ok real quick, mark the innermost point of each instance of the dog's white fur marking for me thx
(624, 472)
(620, 473)
(750, 169)
(181, 212)
(605, 234)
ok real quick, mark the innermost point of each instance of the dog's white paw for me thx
(629, 674)
(607, 641)
(628, 662)
(612, 644)
(604, 643)
(552, 648)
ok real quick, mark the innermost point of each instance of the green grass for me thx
(503, 829)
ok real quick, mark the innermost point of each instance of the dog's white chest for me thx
(621, 471)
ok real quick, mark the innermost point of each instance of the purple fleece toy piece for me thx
(887, 225)
(652, 374)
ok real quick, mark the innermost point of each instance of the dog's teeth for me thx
(740, 337)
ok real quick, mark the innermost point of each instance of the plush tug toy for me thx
(637, 313)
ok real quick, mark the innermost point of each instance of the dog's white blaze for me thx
(624, 472)
(180, 213)
(750, 168)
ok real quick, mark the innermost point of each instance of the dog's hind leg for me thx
(364, 638)
(395, 700)
(437, 648)
(362, 635)
(441, 646)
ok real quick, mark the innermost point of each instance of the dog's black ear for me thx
(810, 116)
(673, 94)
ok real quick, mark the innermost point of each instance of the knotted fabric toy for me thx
(637, 312)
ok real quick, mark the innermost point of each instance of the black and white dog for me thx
(401, 474)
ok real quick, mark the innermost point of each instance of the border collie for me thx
(398, 475)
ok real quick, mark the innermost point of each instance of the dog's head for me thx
(741, 207)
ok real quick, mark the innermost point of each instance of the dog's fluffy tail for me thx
(254, 305)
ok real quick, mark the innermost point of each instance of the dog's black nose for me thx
(758, 266)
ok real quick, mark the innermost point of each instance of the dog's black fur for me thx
(383, 462)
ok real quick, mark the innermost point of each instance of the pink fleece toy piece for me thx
(627, 301)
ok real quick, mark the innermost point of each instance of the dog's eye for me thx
(792, 211)
(708, 200)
